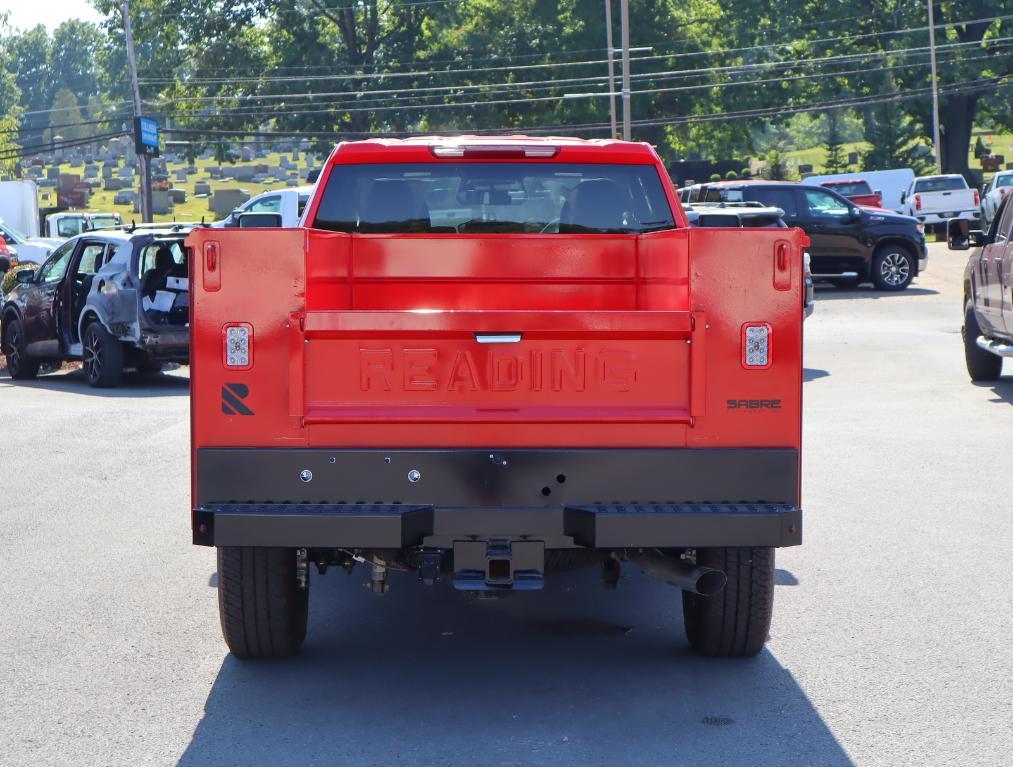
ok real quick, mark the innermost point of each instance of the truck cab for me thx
(277, 208)
(487, 359)
(72, 223)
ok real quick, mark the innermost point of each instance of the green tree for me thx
(834, 154)
(65, 117)
(775, 170)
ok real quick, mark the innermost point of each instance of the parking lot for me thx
(890, 642)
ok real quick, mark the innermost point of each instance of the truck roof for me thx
(426, 149)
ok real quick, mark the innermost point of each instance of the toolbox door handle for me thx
(498, 338)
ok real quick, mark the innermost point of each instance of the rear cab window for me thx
(850, 188)
(774, 198)
(941, 184)
(494, 197)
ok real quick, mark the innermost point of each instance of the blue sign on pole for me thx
(146, 136)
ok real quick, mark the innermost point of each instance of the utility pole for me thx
(145, 202)
(935, 89)
(624, 9)
(612, 68)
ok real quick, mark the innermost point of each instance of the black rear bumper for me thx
(596, 527)
(595, 498)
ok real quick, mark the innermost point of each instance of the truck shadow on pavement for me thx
(570, 675)
(132, 385)
(834, 293)
(1003, 389)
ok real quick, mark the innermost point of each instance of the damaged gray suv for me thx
(114, 299)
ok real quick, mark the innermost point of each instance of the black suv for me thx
(849, 244)
(112, 299)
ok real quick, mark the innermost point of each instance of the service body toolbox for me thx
(486, 359)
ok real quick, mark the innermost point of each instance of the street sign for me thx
(146, 136)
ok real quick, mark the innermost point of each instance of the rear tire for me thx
(263, 608)
(19, 365)
(734, 622)
(981, 365)
(103, 357)
(893, 268)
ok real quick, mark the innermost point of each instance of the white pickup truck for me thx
(938, 199)
(283, 206)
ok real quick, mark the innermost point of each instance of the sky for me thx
(25, 14)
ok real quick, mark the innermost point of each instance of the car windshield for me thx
(502, 197)
(850, 188)
(940, 184)
(103, 222)
(1005, 180)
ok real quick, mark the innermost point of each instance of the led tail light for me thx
(918, 202)
(756, 343)
(237, 346)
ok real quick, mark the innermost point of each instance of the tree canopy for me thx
(708, 80)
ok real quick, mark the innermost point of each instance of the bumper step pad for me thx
(614, 526)
(360, 526)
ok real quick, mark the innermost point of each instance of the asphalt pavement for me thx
(891, 642)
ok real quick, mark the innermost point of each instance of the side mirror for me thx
(24, 276)
(259, 220)
(878, 191)
(959, 236)
(903, 196)
(856, 213)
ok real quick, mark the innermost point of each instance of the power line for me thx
(359, 104)
(969, 86)
(587, 62)
(704, 70)
(54, 146)
(536, 99)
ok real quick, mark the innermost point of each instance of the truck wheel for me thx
(19, 365)
(981, 365)
(262, 606)
(103, 356)
(893, 268)
(734, 622)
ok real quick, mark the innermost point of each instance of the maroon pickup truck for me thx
(988, 311)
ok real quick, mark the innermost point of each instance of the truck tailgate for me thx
(548, 342)
(945, 202)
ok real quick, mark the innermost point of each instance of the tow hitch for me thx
(499, 565)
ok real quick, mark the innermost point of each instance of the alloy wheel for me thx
(12, 347)
(93, 356)
(895, 269)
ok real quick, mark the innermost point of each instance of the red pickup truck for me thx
(483, 360)
(857, 190)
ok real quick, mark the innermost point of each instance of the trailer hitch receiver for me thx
(499, 564)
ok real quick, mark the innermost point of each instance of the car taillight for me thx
(237, 346)
(756, 345)
(977, 198)
(918, 202)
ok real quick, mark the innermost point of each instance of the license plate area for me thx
(499, 564)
